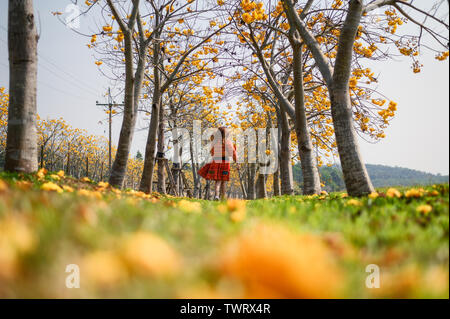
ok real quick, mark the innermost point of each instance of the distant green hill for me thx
(381, 175)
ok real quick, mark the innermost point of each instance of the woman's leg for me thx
(217, 189)
(223, 188)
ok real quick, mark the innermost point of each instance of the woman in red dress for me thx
(219, 169)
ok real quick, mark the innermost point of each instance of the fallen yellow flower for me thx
(103, 268)
(16, 238)
(236, 205)
(55, 177)
(434, 193)
(238, 216)
(354, 202)
(103, 184)
(414, 192)
(189, 206)
(41, 173)
(424, 209)
(68, 189)
(374, 195)
(149, 255)
(272, 262)
(3, 186)
(51, 187)
(392, 192)
(24, 185)
(88, 193)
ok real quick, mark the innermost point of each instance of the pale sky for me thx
(69, 84)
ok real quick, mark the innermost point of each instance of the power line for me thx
(62, 91)
(65, 72)
(78, 82)
(68, 81)
(52, 87)
(71, 82)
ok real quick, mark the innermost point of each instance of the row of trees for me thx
(294, 65)
(62, 147)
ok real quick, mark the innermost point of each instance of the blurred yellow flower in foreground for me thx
(237, 209)
(88, 193)
(205, 291)
(392, 192)
(16, 238)
(354, 202)
(238, 216)
(424, 209)
(149, 255)
(236, 205)
(23, 185)
(273, 262)
(103, 268)
(51, 187)
(3, 186)
(103, 184)
(87, 214)
(68, 189)
(189, 207)
(401, 283)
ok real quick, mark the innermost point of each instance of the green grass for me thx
(410, 247)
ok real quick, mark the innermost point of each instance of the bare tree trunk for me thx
(261, 191)
(133, 87)
(161, 187)
(354, 170)
(87, 166)
(251, 183)
(285, 156)
(149, 161)
(42, 157)
(276, 182)
(195, 177)
(21, 146)
(207, 190)
(311, 178)
(356, 178)
(68, 163)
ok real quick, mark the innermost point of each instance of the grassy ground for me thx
(130, 245)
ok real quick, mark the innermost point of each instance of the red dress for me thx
(219, 168)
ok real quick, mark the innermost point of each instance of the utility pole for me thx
(110, 106)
